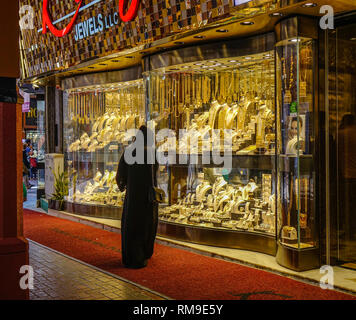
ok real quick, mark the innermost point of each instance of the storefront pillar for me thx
(13, 247)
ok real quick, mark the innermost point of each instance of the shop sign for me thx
(95, 25)
(26, 106)
(72, 31)
(31, 116)
(26, 98)
(92, 25)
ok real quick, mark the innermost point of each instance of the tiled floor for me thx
(57, 277)
(31, 202)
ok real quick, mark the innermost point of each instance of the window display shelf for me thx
(219, 238)
(253, 161)
(95, 210)
(292, 164)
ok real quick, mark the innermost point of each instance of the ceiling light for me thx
(309, 5)
(232, 61)
(222, 30)
(353, 39)
(276, 14)
(198, 64)
(294, 40)
(248, 58)
(247, 23)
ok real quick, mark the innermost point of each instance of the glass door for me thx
(342, 141)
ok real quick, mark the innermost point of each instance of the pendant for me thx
(303, 220)
(287, 97)
(303, 90)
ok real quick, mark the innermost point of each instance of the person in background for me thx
(28, 146)
(33, 164)
(26, 167)
(347, 162)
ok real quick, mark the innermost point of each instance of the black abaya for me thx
(140, 216)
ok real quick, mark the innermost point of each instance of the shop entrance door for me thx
(341, 148)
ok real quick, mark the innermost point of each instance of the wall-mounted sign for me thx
(46, 21)
(26, 104)
(90, 29)
(31, 116)
(26, 101)
(92, 25)
(131, 11)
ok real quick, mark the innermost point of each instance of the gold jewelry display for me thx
(218, 185)
(303, 210)
(306, 61)
(218, 202)
(222, 116)
(288, 87)
(215, 108)
(231, 116)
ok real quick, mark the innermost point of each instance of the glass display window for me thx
(96, 122)
(215, 101)
(295, 99)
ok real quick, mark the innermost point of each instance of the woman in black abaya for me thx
(140, 215)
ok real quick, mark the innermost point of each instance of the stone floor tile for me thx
(57, 277)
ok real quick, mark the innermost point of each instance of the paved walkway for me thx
(57, 277)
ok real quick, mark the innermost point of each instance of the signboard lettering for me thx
(92, 25)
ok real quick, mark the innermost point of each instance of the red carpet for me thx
(173, 272)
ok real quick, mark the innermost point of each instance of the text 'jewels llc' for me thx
(95, 25)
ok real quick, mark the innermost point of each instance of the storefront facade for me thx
(258, 69)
